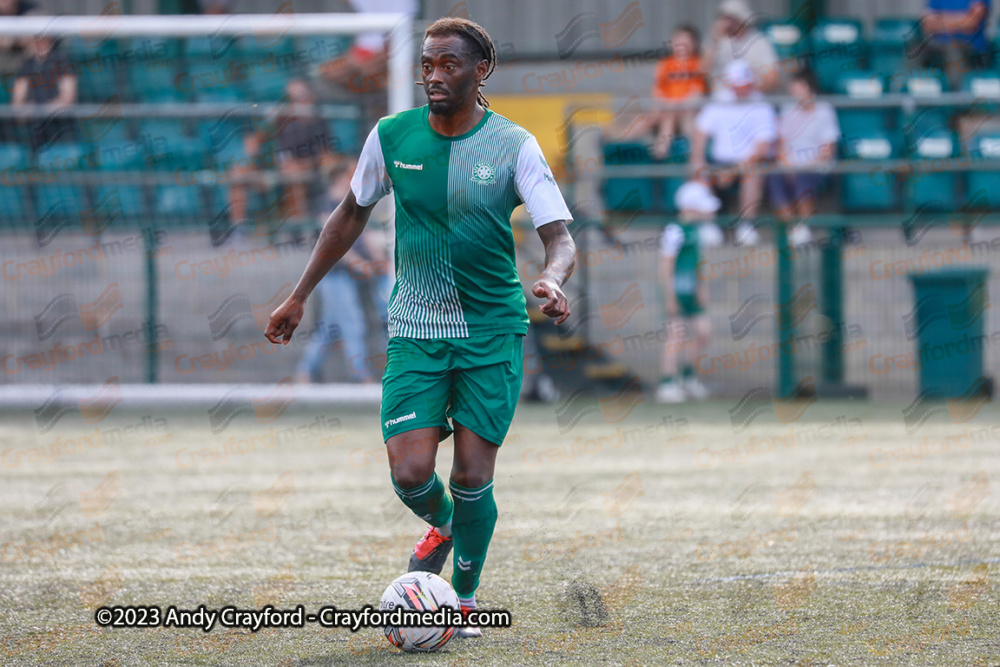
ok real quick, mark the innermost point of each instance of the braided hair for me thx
(475, 36)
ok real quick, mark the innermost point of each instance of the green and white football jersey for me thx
(456, 275)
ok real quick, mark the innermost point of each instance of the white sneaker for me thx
(799, 235)
(694, 389)
(670, 392)
(746, 235)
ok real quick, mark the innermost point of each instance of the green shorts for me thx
(688, 305)
(474, 381)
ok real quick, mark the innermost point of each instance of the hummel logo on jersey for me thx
(403, 165)
(484, 173)
(463, 564)
(412, 415)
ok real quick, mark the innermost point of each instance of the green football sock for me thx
(667, 379)
(429, 501)
(472, 527)
(687, 372)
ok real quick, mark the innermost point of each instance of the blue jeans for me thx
(341, 309)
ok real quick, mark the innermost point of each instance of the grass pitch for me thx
(837, 538)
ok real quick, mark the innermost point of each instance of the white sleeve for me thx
(537, 187)
(831, 126)
(371, 181)
(673, 239)
(704, 120)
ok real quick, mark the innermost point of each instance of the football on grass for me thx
(419, 591)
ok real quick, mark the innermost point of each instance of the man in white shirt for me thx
(736, 37)
(742, 128)
(808, 132)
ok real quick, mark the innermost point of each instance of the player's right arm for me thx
(339, 233)
(369, 184)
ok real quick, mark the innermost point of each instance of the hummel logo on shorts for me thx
(412, 415)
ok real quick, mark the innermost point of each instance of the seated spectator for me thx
(47, 77)
(958, 41)
(735, 37)
(679, 77)
(304, 144)
(808, 132)
(11, 47)
(742, 128)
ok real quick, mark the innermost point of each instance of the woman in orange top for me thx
(678, 77)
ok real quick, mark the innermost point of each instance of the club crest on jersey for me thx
(484, 173)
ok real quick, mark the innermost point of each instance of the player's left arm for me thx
(537, 188)
(560, 260)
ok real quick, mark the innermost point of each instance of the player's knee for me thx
(411, 474)
(471, 478)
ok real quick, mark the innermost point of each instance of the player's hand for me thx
(556, 304)
(284, 321)
(671, 309)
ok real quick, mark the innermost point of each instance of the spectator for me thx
(47, 77)
(11, 48)
(685, 294)
(340, 295)
(742, 128)
(958, 42)
(735, 37)
(304, 144)
(808, 132)
(679, 77)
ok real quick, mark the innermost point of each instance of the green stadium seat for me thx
(12, 201)
(106, 129)
(266, 85)
(98, 67)
(185, 156)
(318, 49)
(204, 46)
(862, 86)
(209, 80)
(838, 47)
(927, 85)
(932, 189)
(266, 46)
(228, 147)
(985, 87)
(876, 190)
(155, 48)
(788, 39)
(114, 156)
(90, 48)
(159, 135)
(178, 201)
(627, 194)
(982, 188)
(680, 153)
(346, 134)
(99, 81)
(155, 81)
(889, 43)
(61, 199)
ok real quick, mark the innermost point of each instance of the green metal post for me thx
(833, 307)
(786, 330)
(152, 345)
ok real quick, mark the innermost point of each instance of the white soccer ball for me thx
(419, 591)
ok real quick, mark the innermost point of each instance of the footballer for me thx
(457, 311)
